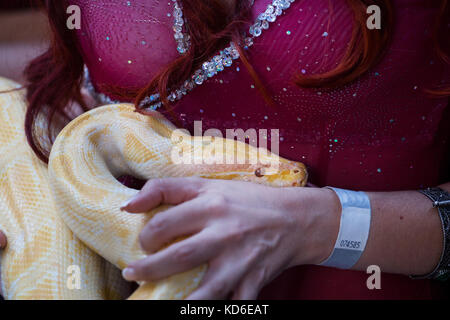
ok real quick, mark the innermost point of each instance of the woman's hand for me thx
(2, 246)
(248, 233)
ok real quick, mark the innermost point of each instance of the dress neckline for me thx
(224, 59)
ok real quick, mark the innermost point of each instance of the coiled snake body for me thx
(66, 216)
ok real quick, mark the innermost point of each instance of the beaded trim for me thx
(215, 65)
(182, 39)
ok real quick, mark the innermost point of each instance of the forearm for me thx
(405, 235)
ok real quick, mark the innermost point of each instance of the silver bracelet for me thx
(441, 201)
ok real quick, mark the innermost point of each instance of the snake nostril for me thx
(259, 173)
(296, 171)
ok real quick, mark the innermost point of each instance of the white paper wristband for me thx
(353, 231)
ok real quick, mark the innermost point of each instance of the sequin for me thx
(182, 39)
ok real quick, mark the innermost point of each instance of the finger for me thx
(3, 240)
(220, 279)
(178, 257)
(249, 287)
(183, 220)
(163, 191)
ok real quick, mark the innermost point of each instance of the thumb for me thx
(172, 191)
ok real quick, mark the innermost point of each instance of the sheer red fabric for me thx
(381, 132)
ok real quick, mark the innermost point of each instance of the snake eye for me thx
(259, 173)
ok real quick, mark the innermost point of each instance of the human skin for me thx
(250, 233)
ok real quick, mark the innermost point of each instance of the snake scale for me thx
(67, 213)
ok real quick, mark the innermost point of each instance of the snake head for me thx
(250, 164)
(287, 174)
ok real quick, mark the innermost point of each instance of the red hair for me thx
(55, 78)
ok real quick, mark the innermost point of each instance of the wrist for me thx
(328, 223)
(319, 213)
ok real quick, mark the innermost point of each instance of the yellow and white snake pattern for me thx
(68, 213)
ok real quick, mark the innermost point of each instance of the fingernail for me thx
(125, 204)
(129, 274)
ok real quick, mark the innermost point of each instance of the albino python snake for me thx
(67, 215)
